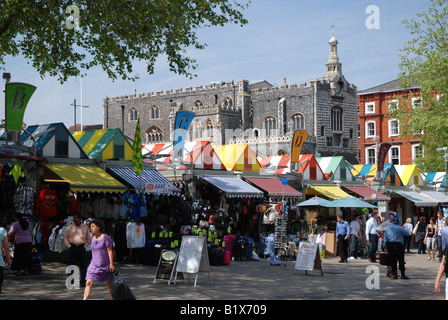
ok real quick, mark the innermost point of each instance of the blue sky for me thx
(283, 39)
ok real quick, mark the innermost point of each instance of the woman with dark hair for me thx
(22, 246)
(102, 264)
(420, 236)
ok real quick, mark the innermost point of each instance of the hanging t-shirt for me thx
(132, 202)
(47, 203)
(135, 235)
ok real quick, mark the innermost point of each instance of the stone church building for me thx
(256, 113)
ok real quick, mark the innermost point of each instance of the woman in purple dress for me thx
(102, 264)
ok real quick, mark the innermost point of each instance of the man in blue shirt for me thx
(393, 243)
(342, 235)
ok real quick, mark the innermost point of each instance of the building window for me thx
(417, 152)
(371, 156)
(133, 114)
(393, 128)
(270, 126)
(227, 102)
(370, 107)
(209, 128)
(155, 112)
(298, 122)
(395, 155)
(154, 134)
(198, 103)
(322, 131)
(197, 130)
(416, 103)
(336, 119)
(370, 129)
(392, 105)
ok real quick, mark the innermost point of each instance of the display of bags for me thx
(36, 259)
(119, 288)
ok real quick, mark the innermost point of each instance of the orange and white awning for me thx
(282, 164)
(200, 152)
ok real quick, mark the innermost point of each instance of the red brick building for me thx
(375, 126)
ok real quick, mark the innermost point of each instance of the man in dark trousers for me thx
(342, 235)
(393, 243)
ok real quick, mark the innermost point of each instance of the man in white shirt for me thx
(372, 236)
(355, 233)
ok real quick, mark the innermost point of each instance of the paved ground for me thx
(244, 280)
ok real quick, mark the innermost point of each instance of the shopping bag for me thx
(384, 258)
(36, 259)
(119, 288)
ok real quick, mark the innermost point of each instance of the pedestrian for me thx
(342, 235)
(442, 269)
(77, 238)
(430, 239)
(5, 244)
(389, 215)
(355, 234)
(22, 246)
(101, 265)
(407, 239)
(420, 235)
(393, 243)
(441, 223)
(372, 236)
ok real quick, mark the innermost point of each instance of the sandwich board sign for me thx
(308, 258)
(166, 266)
(193, 257)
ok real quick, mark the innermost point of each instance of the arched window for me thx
(298, 122)
(270, 126)
(336, 119)
(154, 134)
(133, 114)
(155, 112)
(227, 102)
(197, 130)
(198, 103)
(209, 128)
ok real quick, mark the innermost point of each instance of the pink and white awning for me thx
(282, 165)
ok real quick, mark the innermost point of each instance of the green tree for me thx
(424, 61)
(64, 38)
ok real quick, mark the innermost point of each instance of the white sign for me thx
(308, 257)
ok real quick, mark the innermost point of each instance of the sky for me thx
(283, 39)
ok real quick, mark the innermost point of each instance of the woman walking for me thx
(22, 246)
(430, 239)
(102, 265)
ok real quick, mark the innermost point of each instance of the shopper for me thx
(420, 235)
(442, 269)
(77, 238)
(441, 223)
(407, 239)
(22, 246)
(393, 243)
(355, 235)
(5, 244)
(372, 236)
(430, 239)
(342, 235)
(102, 265)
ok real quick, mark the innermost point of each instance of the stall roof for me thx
(274, 187)
(410, 175)
(87, 178)
(367, 192)
(234, 187)
(332, 192)
(335, 168)
(438, 196)
(238, 157)
(151, 180)
(418, 199)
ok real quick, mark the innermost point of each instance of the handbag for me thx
(384, 258)
(120, 290)
(36, 259)
(414, 231)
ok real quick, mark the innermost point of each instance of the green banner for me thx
(17, 96)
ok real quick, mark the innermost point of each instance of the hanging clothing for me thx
(135, 235)
(132, 202)
(46, 204)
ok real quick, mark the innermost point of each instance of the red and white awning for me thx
(310, 167)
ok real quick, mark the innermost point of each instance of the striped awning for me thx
(418, 199)
(367, 193)
(151, 180)
(332, 192)
(234, 187)
(274, 187)
(438, 196)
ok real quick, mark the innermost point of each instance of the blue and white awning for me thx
(151, 180)
(234, 187)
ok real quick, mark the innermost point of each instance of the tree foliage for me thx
(424, 61)
(64, 38)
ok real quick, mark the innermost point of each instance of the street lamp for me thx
(445, 156)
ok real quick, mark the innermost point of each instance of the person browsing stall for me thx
(393, 243)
